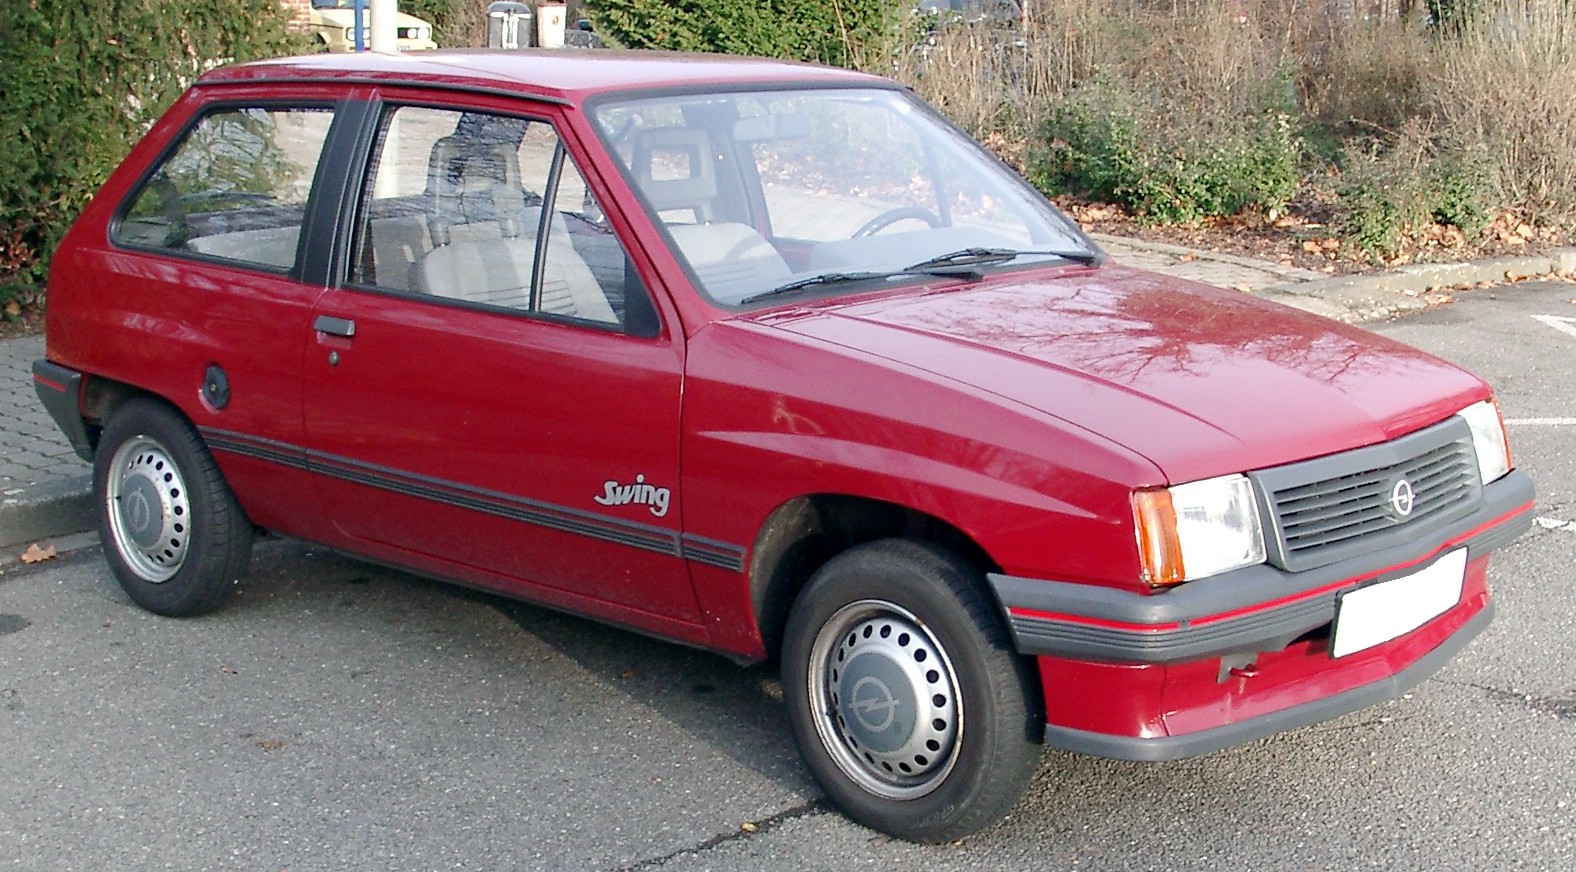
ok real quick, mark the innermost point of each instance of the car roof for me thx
(565, 74)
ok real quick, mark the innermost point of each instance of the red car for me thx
(771, 360)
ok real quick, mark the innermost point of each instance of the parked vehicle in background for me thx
(768, 359)
(999, 12)
(333, 22)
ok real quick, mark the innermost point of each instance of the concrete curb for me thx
(1263, 266)
(1384, 295)
(46, 511)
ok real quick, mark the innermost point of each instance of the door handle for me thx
(332, 326)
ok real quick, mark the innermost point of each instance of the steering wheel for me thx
(892, 216)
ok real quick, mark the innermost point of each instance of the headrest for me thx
(676, 169)
(473, 179)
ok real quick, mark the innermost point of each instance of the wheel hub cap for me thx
(876, 702)
(141, 511)
(149, 511)
(889, 708)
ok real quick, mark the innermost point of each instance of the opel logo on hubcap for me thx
(1401, 498)
(873, 704)
(139, 514)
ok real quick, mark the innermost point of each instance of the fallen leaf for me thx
(1245, 287)
(1330, 244)
(270, 744)
(13, 308)
(748, 827)
(1311, 246)
(35, 554)
(1187, 258)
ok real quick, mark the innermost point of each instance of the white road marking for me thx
(1558, 322)
(1555, 524)
(1540, 422)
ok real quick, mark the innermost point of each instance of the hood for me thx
(1199, 380)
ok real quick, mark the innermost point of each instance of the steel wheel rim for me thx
(148, 508)
(884, 699)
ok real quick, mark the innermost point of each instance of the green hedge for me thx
(81, 81)
(843, 32)
(1119, 143)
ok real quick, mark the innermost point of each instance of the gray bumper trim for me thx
(1195, 620)
(1203, 742)
(59, 389)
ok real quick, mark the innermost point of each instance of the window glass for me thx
(770, 193)
(235, 188)
(487, 209)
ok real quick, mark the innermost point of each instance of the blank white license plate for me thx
(1380, 612)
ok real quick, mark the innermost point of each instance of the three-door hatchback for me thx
(771, 360)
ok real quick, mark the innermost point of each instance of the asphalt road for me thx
(342, 716)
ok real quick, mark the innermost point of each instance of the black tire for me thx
(172, 532)
(878, 629)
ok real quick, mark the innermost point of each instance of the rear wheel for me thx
(904, 694)
(172, 532)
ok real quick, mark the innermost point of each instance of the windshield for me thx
(827, 191)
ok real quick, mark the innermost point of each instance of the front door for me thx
(489, 395)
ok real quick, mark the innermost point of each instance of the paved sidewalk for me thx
(44, 485)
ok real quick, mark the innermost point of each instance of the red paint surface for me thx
(1153, 700)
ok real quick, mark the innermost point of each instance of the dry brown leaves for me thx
(35, 554)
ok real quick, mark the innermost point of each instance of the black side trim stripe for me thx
(555, 517)
(711, 552)
(251, 446)
(496, 503)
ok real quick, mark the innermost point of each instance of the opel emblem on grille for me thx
(1402, 499)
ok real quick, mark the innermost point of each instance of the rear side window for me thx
(490, 210)
(235, 188)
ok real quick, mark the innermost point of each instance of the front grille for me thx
(1340, 506)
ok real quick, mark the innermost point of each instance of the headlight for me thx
(1488, 439)
(1198, 529)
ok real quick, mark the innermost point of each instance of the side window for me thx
(235, 188)
(489, 209)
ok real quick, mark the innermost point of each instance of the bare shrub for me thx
(1366, 73)
(1442, 123)
(1507, 81)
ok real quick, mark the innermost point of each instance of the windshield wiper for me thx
(971, 257)
(960, 263)
(830, 278)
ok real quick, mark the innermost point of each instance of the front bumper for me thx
(1238, 656)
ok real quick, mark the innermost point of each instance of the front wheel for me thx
(905, 697)
(172, 531)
